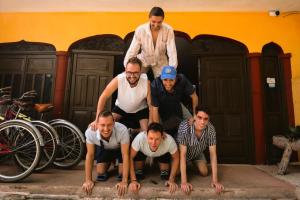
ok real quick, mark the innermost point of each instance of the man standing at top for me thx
(156, 43)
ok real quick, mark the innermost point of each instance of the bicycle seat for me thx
(44, 107)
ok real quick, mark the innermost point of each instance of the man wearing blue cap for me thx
(167, 92)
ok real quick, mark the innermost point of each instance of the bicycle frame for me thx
(10, 114)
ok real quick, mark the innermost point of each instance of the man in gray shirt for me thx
(110, 141)
(154, 143)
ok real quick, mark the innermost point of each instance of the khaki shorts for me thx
(200, 157)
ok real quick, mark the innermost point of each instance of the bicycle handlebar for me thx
(28, 95)
(6, 89)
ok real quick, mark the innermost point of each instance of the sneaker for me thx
(139, 174)
(102, 177)
(164, 175)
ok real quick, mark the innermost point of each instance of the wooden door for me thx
(27, 66)
(91, 72)
(223, 87)
(275, 106)
(26, 71)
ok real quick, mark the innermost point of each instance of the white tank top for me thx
(132, 100)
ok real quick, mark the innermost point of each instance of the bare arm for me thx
(194, 101)
(185, 186)
(89, 161)
(213, 162)
(132, 169)
(122, 186)
(174, 166)
(134, 185)
(108, 91)
(183, 163)
(149, 102)
(89, 184)
(155, 114)
(214, 168)
(125, 157)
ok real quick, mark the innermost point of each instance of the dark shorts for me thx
(142, 114)
(131, 119)
(108, 155)
(166, 158)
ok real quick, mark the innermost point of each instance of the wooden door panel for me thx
(79, 91)
(12, 63)
(81, 118)
(223, 81)
(40, 65)
(275, 107)
(91, 74)
(27, 71)
(95, 64)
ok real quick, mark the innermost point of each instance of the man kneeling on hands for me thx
(110, 141)
(154, 143)
(193, 139)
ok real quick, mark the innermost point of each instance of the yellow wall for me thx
(252, 29)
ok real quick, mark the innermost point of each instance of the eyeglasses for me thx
(135, 74)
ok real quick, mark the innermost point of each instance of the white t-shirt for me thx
(132, 99)
(140, 143)
(119, 136)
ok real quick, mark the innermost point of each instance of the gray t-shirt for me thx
(140, 143)
(119, 136)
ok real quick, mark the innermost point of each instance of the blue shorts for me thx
(108, 155)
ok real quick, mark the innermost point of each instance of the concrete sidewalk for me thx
(240, 181)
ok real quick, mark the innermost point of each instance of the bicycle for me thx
(71, 140)
(20, 142)
(50, 137)
(71, 148)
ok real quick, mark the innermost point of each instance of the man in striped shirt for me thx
(193, 140)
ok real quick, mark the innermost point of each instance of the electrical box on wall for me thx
(271, 82)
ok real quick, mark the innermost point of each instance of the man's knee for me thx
(101, 168)
(202, 167)
(116, 116)
(144, 124)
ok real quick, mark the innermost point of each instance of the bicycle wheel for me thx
(49, 150)
(19, 141)
(71, 148)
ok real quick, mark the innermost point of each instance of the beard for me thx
(133, 83)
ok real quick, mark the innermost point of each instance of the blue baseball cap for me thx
(168, 72)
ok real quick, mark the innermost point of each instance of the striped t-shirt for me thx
(187, 137)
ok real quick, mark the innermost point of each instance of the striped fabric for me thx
(187, 137)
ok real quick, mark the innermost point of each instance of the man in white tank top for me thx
(134, 98)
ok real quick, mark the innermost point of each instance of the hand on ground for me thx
(186, 188)
(122, 188)
(88, 187)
